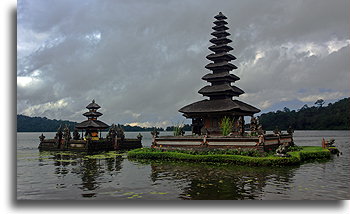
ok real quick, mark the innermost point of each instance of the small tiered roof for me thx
(221, 90)
(93, 105)
(92, 115)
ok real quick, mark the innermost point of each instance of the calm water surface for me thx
(111, 176)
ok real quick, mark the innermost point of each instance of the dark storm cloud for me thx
(143, 60)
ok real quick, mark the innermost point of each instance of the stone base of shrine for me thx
(89, 145)
(262, 142)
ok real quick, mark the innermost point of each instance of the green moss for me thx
(311, 153)
(211, 151)
(66, 161)
(306, 153)
(103, 155)
(158, 193)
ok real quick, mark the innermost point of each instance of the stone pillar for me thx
(243, 128)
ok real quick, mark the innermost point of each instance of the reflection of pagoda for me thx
(92, 126)
(209, 113)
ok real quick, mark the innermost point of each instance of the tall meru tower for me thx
(207, 114)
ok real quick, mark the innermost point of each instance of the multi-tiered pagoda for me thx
(90, 141)
(92, 126)
(207, 114)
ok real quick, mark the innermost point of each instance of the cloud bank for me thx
(143, 60)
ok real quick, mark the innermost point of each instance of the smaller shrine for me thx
(92, 126)
(91, 139)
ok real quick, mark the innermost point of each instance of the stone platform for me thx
(89, 145)
(262, 142)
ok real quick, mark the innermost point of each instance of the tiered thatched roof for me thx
(92, 115)
(221, 90)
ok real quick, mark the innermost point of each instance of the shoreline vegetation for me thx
(298, 155)
(43, 124)
(334, 116)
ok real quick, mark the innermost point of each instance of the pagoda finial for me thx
(220, 16)
(93, 105)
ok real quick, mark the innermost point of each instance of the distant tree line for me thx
(331, 117)
(186, 127)
(129, 128)
(42, 124)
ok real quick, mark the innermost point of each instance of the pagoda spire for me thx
(207, 114)
(220, 78)
(92, 125)
(92, 114)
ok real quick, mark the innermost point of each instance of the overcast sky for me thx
(143, 60)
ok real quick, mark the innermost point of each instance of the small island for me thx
(91, 139)
(218, 122)
(218, 125)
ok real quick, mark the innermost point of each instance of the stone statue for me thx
(182, 132)
(66, 135)
(277, 130)
(139, 136)
(253, 126)
(58, 136)
(235, 128)
(240, 126)
(155, 133)
(330, 143)
(76, 135)
(112, 132)
(260, 130)
(42, 137)
(290, 130)
(204, 131)
(59, 133)
(282, 150)
(120, 132)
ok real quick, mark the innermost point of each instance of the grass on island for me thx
(245, 157)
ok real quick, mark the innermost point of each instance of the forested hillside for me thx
(42, 124)
(331, 117)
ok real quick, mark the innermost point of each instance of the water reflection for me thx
(218, 181)
(76, 176)
(89, 168)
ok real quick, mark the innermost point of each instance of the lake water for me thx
(67, 175)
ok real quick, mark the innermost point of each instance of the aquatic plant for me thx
(294, 148)
(226, 125)
(178, 130)
(106, 155)
(245, 152)
(311, 152)
(297, 157)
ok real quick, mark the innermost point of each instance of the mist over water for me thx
(111, 176)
